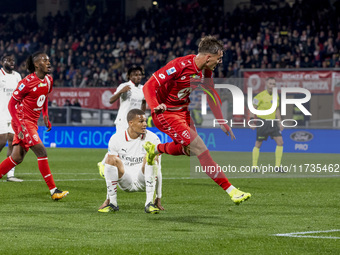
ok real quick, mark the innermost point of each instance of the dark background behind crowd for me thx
(93, 48)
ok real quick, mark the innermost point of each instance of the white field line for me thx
(305, 234)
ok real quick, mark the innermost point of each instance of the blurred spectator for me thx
(76, 113)
(86, 50)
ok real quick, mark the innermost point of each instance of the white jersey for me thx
(131, 151)
(129, 100)
(8, 83)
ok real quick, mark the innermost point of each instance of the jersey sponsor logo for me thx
(184, 92)
(195, 76)
(131, 160)
(162, 76)
(35, 88)
(41, 100)
(21, 87)
(183, 78)
(171, 71)
(42, 84)
(15, 92)
(186, 134)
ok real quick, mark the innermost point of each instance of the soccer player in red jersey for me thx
(29, 99)
(167, 93)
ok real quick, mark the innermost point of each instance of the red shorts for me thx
(31, 136)
(178, 125)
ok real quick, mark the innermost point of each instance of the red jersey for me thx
(31, 94)
(174, 83)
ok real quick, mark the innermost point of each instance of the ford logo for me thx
(301, 136)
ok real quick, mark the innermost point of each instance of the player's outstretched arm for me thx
(215, 107)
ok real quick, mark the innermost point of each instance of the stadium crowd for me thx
(89, 49)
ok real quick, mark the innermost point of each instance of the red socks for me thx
(7, 165)
(218, 177)
(170, 148)
(46, 172)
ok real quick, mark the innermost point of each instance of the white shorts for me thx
(133, 180)
(6, 127)
(121, 126)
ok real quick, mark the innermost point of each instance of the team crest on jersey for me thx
(183, 78)
(186, 134)
(171, 71)
(21, 87)
(184, 92)
(35, 137)
(35, 88)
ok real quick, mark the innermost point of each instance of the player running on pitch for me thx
(126, 166)
(28, 100)
(167, 93)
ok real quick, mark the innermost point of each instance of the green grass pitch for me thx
(199, 219)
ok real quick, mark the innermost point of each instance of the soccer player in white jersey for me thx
(9, 80)
(126, 166)
(130, 95)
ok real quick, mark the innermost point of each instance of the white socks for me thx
(150, 183)
(228, 190)
(11, 173)
(111, 178)
(52, 190)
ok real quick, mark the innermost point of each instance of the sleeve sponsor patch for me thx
(171, 70)
(21, 87)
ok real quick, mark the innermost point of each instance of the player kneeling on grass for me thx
(126, 165)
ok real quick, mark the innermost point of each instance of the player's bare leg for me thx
(17, 156)
(10, 174)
